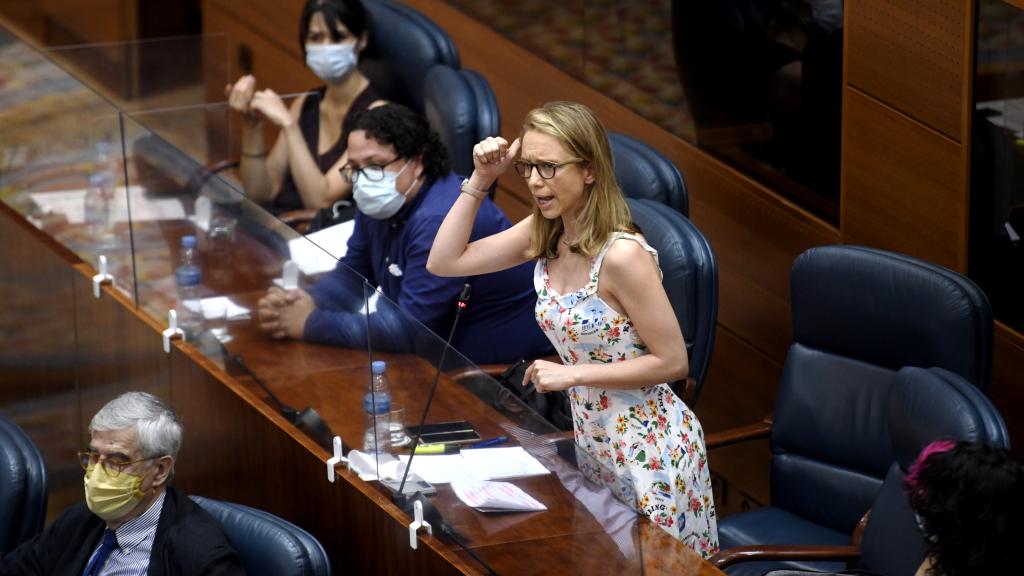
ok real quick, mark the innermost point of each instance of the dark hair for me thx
(398, 126)
(970, 501)
(351, 13)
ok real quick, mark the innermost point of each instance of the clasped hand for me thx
(550, 376)
(283, 314)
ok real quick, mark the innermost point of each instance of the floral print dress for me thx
(647, 437)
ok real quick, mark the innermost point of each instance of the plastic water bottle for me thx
(188, 276)
(99, 197)
(377, 406)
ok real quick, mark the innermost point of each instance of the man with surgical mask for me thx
(131, 518)
(403, 187)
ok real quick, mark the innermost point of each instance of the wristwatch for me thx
(465, 188)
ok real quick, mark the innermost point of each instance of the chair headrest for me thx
(935, 404)
(891, 310)
(267, 544)
(461, 107)
(643, 172)
(690, 276)
(404, 44)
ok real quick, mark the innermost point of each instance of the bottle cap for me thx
(381, 406)
(378, 366)
(188, 241)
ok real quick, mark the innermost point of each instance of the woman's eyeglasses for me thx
(545, 169)
(373, 172)
(114, 467)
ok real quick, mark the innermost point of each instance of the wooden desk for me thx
(238, 448)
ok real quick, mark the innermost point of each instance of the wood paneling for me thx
(914, 55)
(274, 64)
(903, 184)
(37, 352)
(729, 399)
(1008, 383)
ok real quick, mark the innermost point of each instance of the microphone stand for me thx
(399, 497)
(430, 512)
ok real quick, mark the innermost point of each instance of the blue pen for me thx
(489, 443)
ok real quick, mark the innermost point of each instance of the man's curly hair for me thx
(969, 498)
(408, 132)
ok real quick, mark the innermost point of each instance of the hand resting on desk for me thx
(283, 314)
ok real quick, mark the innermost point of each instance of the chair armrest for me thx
(783, 553)
(689, 391)
(298, 219)
(737, 435)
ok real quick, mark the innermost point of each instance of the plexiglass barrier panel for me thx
(247, 290)
(62, 160)
(152, 73)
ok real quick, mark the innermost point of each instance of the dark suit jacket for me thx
(188, 542)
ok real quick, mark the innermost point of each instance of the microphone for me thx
(399, 497)
(308, 420)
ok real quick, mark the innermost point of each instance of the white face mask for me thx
(380, 200)
(331, 62)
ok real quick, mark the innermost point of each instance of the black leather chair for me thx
(859, 316)
(921, 406)
(462, 108)
(267, 544)
(405, 44)
(690, 280)
(643, 172)
(23, 486)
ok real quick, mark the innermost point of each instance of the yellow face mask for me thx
(110, 497)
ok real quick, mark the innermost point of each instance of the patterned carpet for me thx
(623, 49)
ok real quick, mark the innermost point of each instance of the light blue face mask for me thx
(331, 62)
(380, 200)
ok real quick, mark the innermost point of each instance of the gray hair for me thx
(157, 428)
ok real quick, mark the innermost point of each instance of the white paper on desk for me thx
(497, 463)
(440, 468)
(208, 305)
(320, 251)
(487, 496)
(71, 203)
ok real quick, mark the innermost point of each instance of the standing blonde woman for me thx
(601, 303)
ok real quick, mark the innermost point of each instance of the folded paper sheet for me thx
(488, 496)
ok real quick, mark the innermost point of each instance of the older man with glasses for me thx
(403, 187)
(132, 521)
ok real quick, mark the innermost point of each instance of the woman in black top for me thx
(301, 170)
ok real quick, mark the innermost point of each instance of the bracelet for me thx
(466, 189)
(254, 154)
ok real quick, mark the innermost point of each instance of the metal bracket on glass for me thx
(417, 508)
(172, 332)
(338, 458)
(102, 277)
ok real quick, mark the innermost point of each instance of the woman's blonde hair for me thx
(604, 209)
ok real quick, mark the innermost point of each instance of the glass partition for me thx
(62, 163)
(996, 260)
(757, 83)
(151, 73)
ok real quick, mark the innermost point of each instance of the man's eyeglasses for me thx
(373, 172)
(88, 459)
(545, 169)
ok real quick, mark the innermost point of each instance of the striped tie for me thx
(100, 558)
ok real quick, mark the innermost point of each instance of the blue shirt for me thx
(498, 325)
